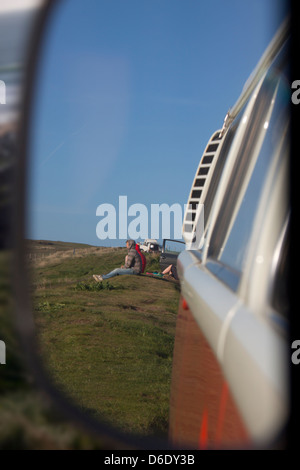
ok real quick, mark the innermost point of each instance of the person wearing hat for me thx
(133, 264)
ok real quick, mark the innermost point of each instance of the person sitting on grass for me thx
(171, 271)
(133, 264)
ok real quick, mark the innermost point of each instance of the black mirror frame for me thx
(23, 316)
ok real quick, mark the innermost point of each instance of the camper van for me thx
(230, 382)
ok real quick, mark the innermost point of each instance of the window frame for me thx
(225, 272)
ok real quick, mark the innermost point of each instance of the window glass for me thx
(281, 288)
(174, 247)
(235, 248)
(231, 235)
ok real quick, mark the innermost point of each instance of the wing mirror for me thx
(96, 106)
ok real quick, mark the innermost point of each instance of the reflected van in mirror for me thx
(123, 104)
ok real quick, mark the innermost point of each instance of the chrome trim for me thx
(264, 63)
(276, 258)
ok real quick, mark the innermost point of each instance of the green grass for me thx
(109, 346)
(27, 420)
(12, 377)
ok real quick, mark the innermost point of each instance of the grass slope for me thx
(109, 345)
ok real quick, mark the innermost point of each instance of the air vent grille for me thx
(200, 185)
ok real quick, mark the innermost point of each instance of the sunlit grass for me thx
(110, 345)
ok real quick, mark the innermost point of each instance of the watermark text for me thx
(296, 94)
(296, 354)
(134, 221)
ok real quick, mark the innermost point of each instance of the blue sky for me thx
(127, 95)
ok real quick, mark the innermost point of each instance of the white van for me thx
(150, 245)
(230, 383)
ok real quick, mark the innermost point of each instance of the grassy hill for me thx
(109, 346)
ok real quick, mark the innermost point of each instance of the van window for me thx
(264, 135)
(281, 287)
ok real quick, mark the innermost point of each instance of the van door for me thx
(170, 251)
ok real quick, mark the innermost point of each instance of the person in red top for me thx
(144, 262)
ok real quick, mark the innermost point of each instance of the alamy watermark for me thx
(296, 94)
(295, 357)
(2, 352)
(136, 221)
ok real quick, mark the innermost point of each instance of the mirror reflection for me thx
(126, 97)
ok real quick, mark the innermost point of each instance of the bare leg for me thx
(167, 270)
